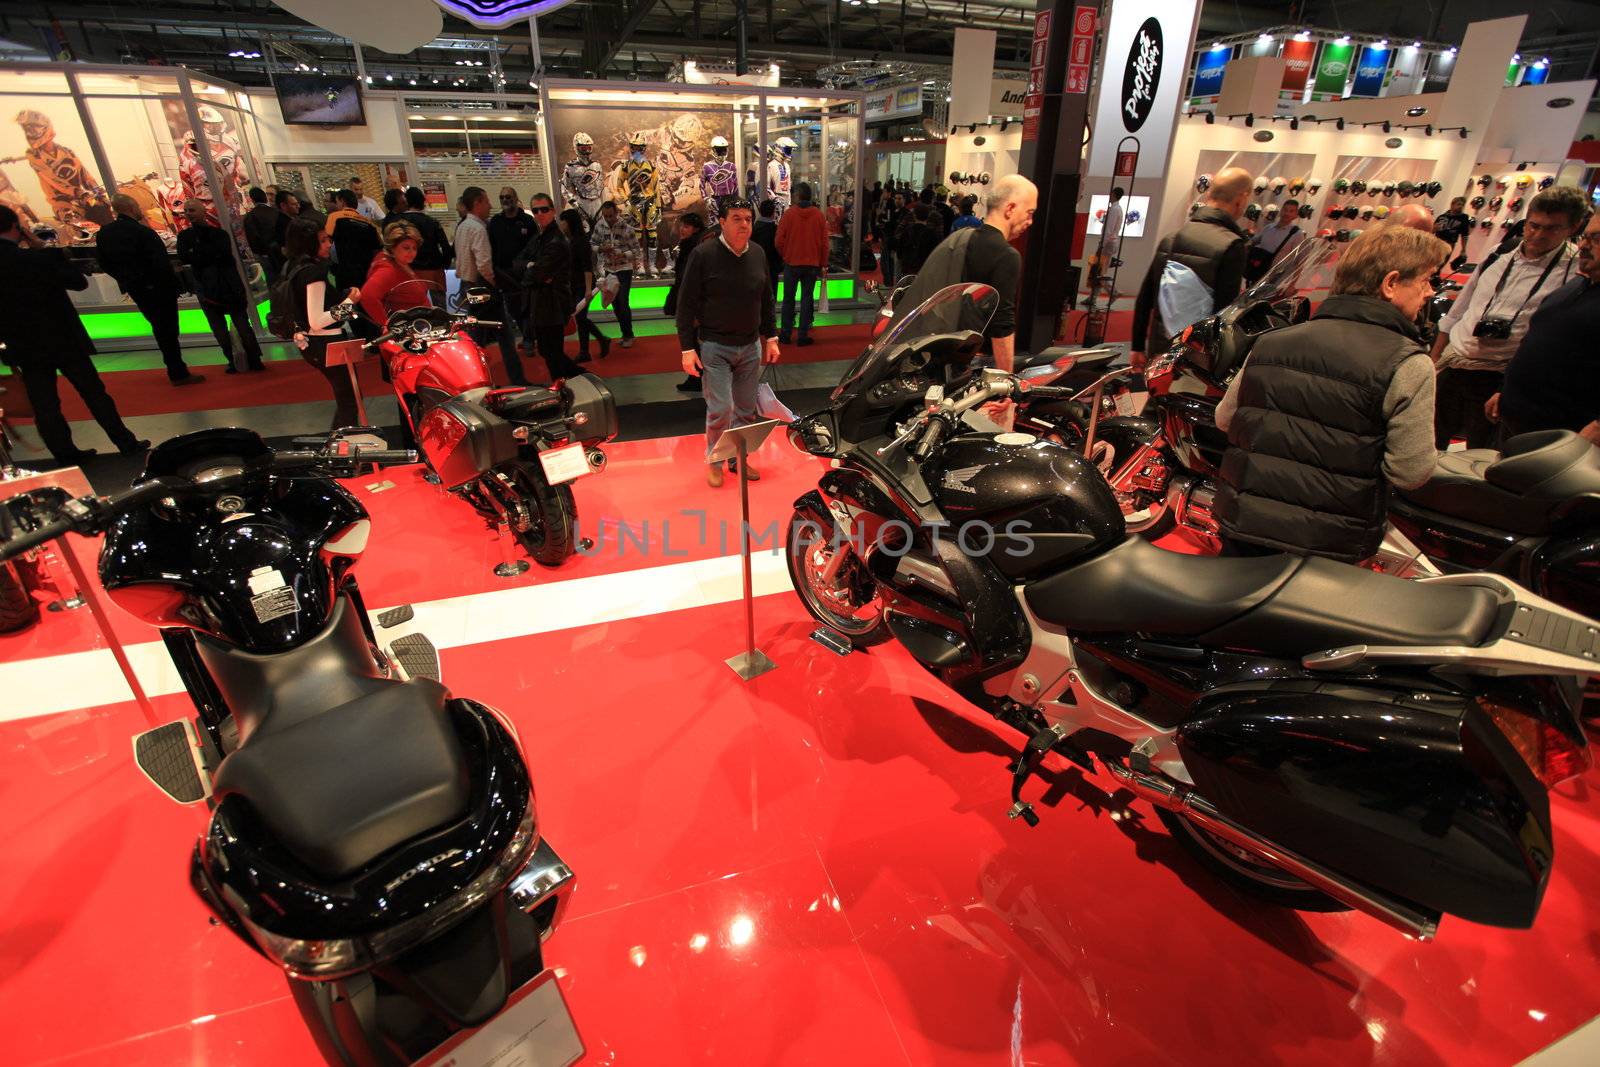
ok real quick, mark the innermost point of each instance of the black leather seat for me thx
(1518, 489)
(344, 786)
(1281, 605)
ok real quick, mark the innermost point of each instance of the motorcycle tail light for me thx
(1552, 755)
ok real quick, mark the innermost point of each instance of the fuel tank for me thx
(1031, 506)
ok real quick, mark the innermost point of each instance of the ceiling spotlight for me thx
(388, 77)
(1416, 44)
(1384, 43)
(1516, 57)
(1450, 51)
(413, 81)
(1303, 35)
(1264, 38)
(1345, 39)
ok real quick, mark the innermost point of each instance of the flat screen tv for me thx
(320, 100)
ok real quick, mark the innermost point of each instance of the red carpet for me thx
(147, 392)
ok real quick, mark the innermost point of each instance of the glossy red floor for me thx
(814, 868)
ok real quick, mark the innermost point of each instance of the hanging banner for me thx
(1439, 70)
(1141, 82)
(1374, 64)
(1208, 70)
(1333, 69)
(1297, 57)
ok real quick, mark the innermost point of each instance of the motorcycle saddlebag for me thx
(463, 441)
(592, 415)
(1424, 799)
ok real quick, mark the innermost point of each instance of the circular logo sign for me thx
(1142, 75)
(1263, 135)
(1394, 142)
(1335, 68)
(1560, 101)
(1084, 21)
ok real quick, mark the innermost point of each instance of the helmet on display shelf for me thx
(1485, 223)
(1366, 213)
(1345, 235)
(1203, 182)
(1524, 180)
(1296, 185)
(1478, 201)
(1271, 212)
(1503, 181)
(1516, 205)
(1324, 232)
(1279, 185)
(1253, 212)
(580, 141)
(1434, 188)
(1335, 210)
(1485, 180)
(1351, 212)
(36, 127)
(1340, 185)
(1375, 189)
(1494, 205)
(1547, 181)
(1507, 224)
(1405, 188)
(1261, 185)
(1381, 211)
(1358, 186)
(1314, 186)
(1389, 188)
(1305, 211)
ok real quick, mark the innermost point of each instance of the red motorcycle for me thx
(510, 453)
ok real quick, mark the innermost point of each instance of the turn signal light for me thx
(1551, 755)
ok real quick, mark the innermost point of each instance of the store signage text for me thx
(1142, 76)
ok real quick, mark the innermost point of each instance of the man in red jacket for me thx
(803, 244)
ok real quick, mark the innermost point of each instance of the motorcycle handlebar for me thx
(929, 441)
(34, 538)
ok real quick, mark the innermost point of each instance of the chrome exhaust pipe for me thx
(1178, 798)
(597, 460)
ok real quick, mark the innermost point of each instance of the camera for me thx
(1493, 328)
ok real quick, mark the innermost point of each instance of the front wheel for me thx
(837, 591)
(1243, 870)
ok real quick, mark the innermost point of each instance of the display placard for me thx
(1297, 64)
(1136, 210)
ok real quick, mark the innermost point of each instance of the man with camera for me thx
(1489, 319)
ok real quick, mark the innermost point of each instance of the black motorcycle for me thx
(371, 834)
(1320, 734)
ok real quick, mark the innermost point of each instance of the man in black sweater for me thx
(435, 253)
(544, 267)
(130, 252)
(727, 326)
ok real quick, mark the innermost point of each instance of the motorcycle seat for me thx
(1518, 489)
(1281, 605)
(531, 402)
(341, 788)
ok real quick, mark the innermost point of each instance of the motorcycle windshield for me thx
(1307, 269)
(953, 310)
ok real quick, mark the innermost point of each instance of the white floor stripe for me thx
(75, 680)
(1581, 1048)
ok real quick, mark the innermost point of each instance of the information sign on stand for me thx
(738, 443)
(347, 354)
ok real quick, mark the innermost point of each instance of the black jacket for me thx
(38, 321)
(208, 252)
(545, 268)
(1213, 246)
(670, 305)
(1304, 468)
(261, 229)
(355, 242)
(131, 253)
(765, 234)
(435, 253)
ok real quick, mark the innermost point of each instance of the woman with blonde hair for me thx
(1326, 414)
(392, 285)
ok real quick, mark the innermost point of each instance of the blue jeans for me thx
(729, 379)
(806, 278)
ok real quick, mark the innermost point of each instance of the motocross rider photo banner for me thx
(670, 178)
(47, 170)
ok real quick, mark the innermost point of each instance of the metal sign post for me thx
(738, 443)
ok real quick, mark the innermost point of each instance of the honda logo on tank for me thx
(1142, 97)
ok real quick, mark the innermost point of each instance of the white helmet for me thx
(787, 144)
(581, 141)
(210, 116)
(719, 142)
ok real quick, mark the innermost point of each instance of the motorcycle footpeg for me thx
(416, 656)
(170, 757)
(1025, 812)
(396, 616)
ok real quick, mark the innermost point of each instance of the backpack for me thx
(282, 322)
(1182, 298)
(945, 265)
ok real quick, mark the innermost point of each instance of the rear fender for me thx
(1418, 795)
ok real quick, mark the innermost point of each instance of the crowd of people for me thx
(1327, 415)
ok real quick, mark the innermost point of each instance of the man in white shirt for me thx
(1487, 322)
(1277, 239)
(367, 207)
(475, 266)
